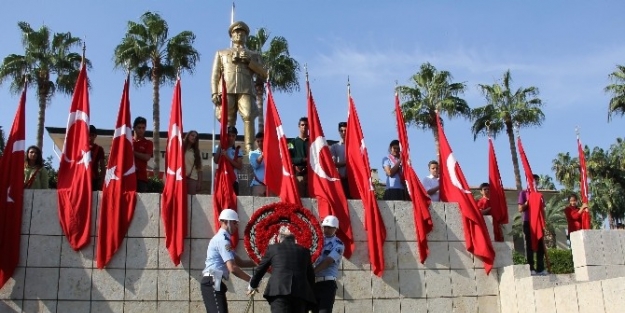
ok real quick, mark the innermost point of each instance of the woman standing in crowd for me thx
(391, 163)
(192, 162)
(35, 175)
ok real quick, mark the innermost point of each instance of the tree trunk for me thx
(156, 117)
(436, 143)
(41, 118)
(260, 97)
(515, 158)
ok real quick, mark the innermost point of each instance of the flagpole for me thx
(215, 117)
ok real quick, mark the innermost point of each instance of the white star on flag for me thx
(110, 175)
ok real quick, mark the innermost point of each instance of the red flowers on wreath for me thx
(262, 229)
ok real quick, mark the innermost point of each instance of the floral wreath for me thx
(262, 229)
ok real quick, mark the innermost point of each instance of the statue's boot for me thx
(249, 132)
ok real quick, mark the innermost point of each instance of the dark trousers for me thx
(287, 304)
(235, 186)
(529, 253)
(142, 186)
(394, 194)
(214, 301)
(325, 292)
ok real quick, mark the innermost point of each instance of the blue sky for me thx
(565, 48)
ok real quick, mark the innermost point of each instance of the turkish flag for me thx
(536, 204)
(454, 188)
(119, 193)
(498, 207)
(583, 183)
(12, 193)
(174, 199)
(418, 196)
(223, 194)
(359, 171)
(323, 179)
(279, 177)
(74, 177)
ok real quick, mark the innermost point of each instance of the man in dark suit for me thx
(289, 289)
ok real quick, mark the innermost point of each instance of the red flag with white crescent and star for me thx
(454, 188)
(223, 195)
(174, 199)
(279, 176)
(359, 171)
(119, 192)
(74, 177)
(418, 195)
(12, 193)
(324, 183)
(583, 183)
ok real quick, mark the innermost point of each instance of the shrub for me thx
(561, 260)
(155, 185)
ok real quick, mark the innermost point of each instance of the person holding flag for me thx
(484, 202)
(524, 206)
(35, 174)
(392, 166)
(257, 161)
(573, 215)
(233, 156)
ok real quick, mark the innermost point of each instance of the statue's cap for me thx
(238, 25)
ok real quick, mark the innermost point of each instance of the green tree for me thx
(2, 141)
(554, 217)
(545, 182)
(506, 109)
(606, 170)
(282, 68)
(48, 63)
(617, 90)
(566, 170)
(151, 55)
(433, 90)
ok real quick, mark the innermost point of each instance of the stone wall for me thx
(598, 284)
(51, 277)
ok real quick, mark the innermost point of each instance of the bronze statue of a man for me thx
(238, 65)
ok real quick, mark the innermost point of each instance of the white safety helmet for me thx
(331, 221)
(228, 215)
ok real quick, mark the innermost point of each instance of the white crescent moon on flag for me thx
(19, 145)
(451, 168)
(315, 150)
(71, 120)
(175, 133)
(280, 132)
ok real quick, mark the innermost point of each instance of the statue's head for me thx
(239, 25)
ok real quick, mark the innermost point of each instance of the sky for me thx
(565, 48)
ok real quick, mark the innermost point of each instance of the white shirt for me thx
(430, 182)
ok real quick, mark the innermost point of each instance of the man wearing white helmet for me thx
(221, 260)
(327, 266)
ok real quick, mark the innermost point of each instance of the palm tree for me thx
(506, 109)
(280, 66)
(545, 182)
(433, 90)
(566, 170)
(2, 141)
(151, 55)
(617, 89)
(554, 217)
(48, 63)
